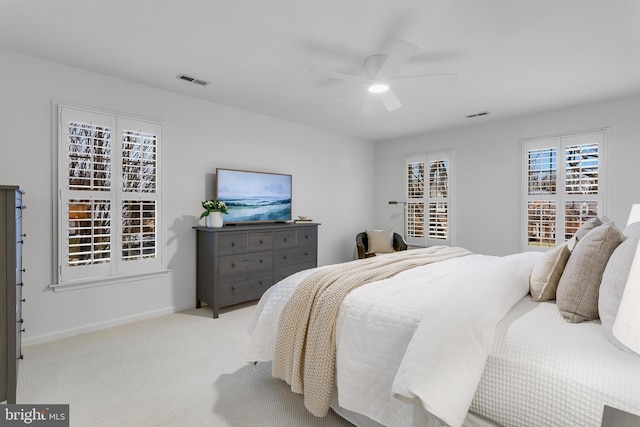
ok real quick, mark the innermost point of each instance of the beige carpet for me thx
(185, 369)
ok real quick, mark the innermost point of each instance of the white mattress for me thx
(543, 371)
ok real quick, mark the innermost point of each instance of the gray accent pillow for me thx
(583, 230)
(578, 288)
(614, 280)
(380, 241)
(547, 272)
(587, 227)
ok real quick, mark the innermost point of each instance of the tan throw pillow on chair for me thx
(380, 241)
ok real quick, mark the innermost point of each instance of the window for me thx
(428, 190)
(563, 186)
(109, 196)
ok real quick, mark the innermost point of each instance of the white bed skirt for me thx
(359, 420)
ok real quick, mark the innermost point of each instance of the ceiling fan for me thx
(381, 73)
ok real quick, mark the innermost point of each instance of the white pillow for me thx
(380, 241)
(546, 273)
(614, 280)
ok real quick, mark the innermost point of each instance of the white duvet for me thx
(416, 341)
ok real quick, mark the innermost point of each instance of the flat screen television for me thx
(254, 196)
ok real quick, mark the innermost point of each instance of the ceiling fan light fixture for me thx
(378, 87)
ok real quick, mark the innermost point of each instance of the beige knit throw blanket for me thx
(305, 349)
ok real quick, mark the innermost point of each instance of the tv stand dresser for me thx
(239, 263)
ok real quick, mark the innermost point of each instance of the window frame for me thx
(426, 158)
(116, 270)
(560, 142)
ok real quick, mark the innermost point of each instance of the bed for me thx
(456, 339)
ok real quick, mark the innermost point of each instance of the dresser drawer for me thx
(244, 287)
(292, 256)
(307, 236)
(260, 241)
(282, 272)
(229, 244)
(245, 262)
(284, 239)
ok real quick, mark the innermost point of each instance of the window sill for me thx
(92, 283)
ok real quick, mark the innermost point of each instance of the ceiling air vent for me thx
(484, 113)
(192, 80)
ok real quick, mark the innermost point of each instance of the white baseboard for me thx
(38, 339)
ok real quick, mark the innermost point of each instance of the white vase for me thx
(213, 220)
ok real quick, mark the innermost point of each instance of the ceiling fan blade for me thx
(344, 95)
(390, 100)
(445, 79)
(340, 76)
(400, 54)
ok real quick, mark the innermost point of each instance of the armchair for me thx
(362, 245)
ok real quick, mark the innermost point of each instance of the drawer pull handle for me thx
(21, 242)
(23, 300)
(261, 261)
(285, 239)
(20, 284)
(306, 254)
(233, 288)
(21, 357)
(261, 241)
(23, 330)
(24, 270)
(233, 244)
(21, 321)
(233, 264)
(284, 257)
(260, 283)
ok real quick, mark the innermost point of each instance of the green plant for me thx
(213, 206)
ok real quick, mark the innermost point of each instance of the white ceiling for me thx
(513, 56)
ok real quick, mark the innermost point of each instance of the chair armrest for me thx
(360, 245)
(399, 244)
(361, 251)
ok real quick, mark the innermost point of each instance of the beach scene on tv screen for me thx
(254, 196)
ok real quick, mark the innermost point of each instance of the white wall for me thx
(332, 183)
(487, 169)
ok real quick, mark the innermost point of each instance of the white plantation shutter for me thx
(89, 155)
(139, 166)
(86, 195)
(109, 198)
(138, 249)
(89, 240)
(415, 200)
(563, 178)
(438, 201)
(542, 198)
(428, 190)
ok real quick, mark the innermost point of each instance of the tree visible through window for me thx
(428, 198)
(438, 199)
(563, 186)
(415, 200)
(109, 199)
